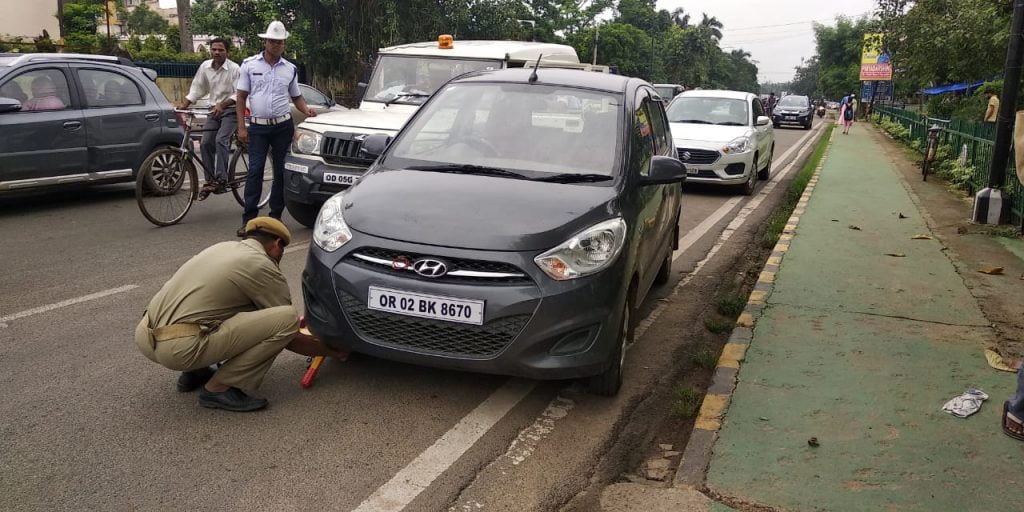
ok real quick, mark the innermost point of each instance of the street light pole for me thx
(988, 202)
(597, 30)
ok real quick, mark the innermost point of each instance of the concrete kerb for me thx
(693, 466)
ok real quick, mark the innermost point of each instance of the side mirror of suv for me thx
(665, 170)
(9, 105)
(361, 91)
(374, 145)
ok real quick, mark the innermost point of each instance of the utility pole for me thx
(988, 202)
(597, 30)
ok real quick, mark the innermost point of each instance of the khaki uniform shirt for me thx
(993, 110)
(223, 280)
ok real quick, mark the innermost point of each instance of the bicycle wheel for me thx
(166, 186)
(238, 171)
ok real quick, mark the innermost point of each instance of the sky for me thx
(777, 33)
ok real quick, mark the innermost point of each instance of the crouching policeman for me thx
(229, 304)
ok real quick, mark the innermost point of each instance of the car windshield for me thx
(7, 60)
(413, 79)
(794, 101)
(666, 92)
(706, 110)
(541, 129)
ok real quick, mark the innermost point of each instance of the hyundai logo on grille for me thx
(430, 268)
(686, 155)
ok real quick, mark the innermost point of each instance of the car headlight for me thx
(330, 231)
(307, 142)
(738, 145)
(588, 252)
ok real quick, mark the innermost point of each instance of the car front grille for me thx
(704, 173)
(343, 148)
(459, 270)
(698, 156)
(431, 336)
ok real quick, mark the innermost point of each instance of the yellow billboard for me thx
(874, 62)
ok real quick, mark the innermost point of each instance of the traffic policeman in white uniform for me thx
(270, 84)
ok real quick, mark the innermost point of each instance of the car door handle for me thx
(72, 125)
(152, 117)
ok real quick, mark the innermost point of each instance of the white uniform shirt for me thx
(270, 88)
(218, 83)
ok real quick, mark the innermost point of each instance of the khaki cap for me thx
(270, 226)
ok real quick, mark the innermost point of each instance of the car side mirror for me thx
(9, 105)
(361, 91)
(665, 170)
(763, 121)
(374, 145)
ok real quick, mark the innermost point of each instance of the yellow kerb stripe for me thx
(711, 412)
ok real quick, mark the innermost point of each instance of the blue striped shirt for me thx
(270, 88)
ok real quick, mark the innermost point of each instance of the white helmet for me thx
(275, 31)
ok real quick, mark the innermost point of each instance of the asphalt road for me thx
(86, 422)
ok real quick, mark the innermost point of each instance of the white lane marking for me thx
(408, 483)
(709, 222)
(526, 442)
(727, 233)
(64, 303)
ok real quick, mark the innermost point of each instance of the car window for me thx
(643, 133)
(108, 89)
(709, 110)
(413, 79)
(659, 126)
(758, 109)
(38, 90)
(794, 102)
(537, 128)
(313, 96)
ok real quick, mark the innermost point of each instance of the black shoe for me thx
(233, 399)
(190, 381)
(241, 232)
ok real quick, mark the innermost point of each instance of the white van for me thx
(326, 158)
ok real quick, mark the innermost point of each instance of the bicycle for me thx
(167, 184)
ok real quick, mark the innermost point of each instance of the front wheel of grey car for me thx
(608, 382)
(302, 212)
(748, 186)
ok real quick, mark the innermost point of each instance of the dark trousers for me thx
(263, 139)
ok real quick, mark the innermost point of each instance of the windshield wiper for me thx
(695, 121)
(730, 123)
(406, 95)
(470, 169)
(569, 177)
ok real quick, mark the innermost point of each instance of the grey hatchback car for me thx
(513, 226)
(68, 118)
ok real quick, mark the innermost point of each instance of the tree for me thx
(680, 18)
(185, 26)
(622, 44)
(713, 26)
(143, 21)
(80, 24)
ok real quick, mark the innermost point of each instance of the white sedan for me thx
(723, 137)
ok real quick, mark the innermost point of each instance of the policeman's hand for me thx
(243, 135)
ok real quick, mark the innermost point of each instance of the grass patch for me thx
(777, 221)
(717, 325)
(687, 402)
(731, 306)
(705, 359)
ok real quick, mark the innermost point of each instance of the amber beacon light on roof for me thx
(445, 42)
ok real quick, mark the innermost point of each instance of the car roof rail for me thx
(33, 57)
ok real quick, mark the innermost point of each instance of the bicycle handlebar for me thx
(193, 111)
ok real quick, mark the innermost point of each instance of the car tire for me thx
(748, 187)
(807, 126)
(608, 382)
(304, 213)
(766, 173)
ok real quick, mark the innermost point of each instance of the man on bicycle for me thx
(270, 84)
(229, 304)
(216, 77)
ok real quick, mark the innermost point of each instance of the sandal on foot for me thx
(1012, 425)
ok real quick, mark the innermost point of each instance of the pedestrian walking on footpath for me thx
(846, 112)
(1013, 410)
(229, 304)
(270, 84)
(216, 78)
(992, 110)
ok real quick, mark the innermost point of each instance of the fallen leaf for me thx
(835, 220)
(855, 228)
(920, 237)
(903, 216)
(992, 271)
(896, 254)
(813, 442)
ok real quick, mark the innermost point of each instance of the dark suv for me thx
(68, 118)
(514, 226)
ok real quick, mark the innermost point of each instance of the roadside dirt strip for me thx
(697, 454)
